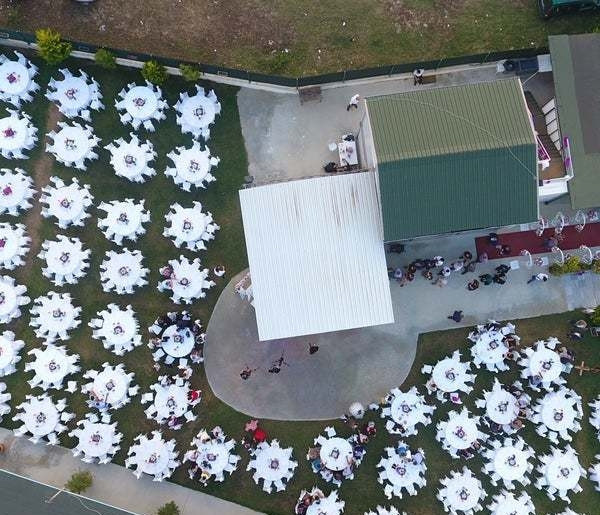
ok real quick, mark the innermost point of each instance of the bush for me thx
(595, 317)
(572, 265)
(169, 509)
(79, 482)
(154, 72)
(105, 58)
(50, 46)
(189, 72)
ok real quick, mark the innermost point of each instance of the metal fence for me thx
(296, 82)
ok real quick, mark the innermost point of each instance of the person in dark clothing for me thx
(473, 285)
(503, 269)
(312, 348)
(457, 316)
(499, 279)
(486, 279)
(493, 238)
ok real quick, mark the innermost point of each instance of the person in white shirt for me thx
(353, 102)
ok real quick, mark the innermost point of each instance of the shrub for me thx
(595, 317)
(189, 72)
(154, 72)
(50, 46)
(169, 509)
(572, 265)
(556, 269)
(105, 58)
(595, 266)
(79, 482)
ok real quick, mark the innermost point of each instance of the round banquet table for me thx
(11, 244)
(198, 111)
(546, 363)
(51, 365)
(558, 415)
(177, 349)
(20, 74)
(344, 453)
(55, 323)
(96, 449)
(124, 269)
(41, 419)
(265, 457)
(193, 288)
(110, 387)
(215, 454)
(448, 366)
(63, 265)
(65, 203)
(324, 506)
(563, 473)
(170, 401)
(73, 93)
(405, 473)
(7, 353)
(19, 138)
(469, 428)
(463, 485)
(501, 407)
(78, 147)
(130, 160)
(153, 457)
(141, 102)
(8, 299)
(130, 226)
(117, 328)
(406, 409)
(187, 226)
(15, 197)
(491, 351)
(192, 166)
(510, 463)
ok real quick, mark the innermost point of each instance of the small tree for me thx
(572, 265)
(80, 481)
(169, 509)
(154, 72)
(105, 58)
(51, 47)
(190, 72)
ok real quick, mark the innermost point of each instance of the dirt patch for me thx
(40, 173)
(409, 16)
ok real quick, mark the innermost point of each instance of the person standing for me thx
(418, 76)
(457, 316)
(353, 102)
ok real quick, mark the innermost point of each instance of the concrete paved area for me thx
(113, 484)
(364, 364)
(287, 140)
(24, 496)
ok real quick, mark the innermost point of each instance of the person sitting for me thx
(219, 270)
(473, 285)
(495, 427)
(358, 451)
(317, 465)
(194, 395)
(431, 386)
(486, 279)
(566, 356)
(330, 167)
(438, 260)
(455, 398)
(516, 424)
(505, 250)
(370, 429)
(535, 380)
(401, 449)
(499, 279)
(575, 335)
(482, 258)
(428, 275)
(398, 273)
(196, 355)
(503, 269)
(417, 458)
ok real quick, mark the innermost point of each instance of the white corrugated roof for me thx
(315, 249)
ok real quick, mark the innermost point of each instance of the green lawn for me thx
(228, 248)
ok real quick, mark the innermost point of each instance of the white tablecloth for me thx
(466, 427)
(152, 456)
(18, 139)
(546, 363)
(73, 93)
(170, 401)
(118, 326)
(501, 407)
(347, 153)
(40, 417)
(15, 188)
(214, 453)
(344, 453)
(558, 413)
(265, 456)
(449, 375)
(110, 386)
(404, 475)
(8, 298)
(407, 409)
(510, 463)
(88, 435)
(141, 102)
(19, 74)
(7, 353)
(198, 111)
(72, 143)
(463, 493)
(51, 365)
(181, 348)
(563, 472)
(64, 257)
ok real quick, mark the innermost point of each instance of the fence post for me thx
(391, 71)
(485, 58)
(344, 77)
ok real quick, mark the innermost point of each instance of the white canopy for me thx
(508, 461)
(507, 503)
(192, 166)
(66, 260)
(9, 353)
(16, 191)
(273, 465)
(153, 456)
(75, 95)
(14, 244)
(4, 401)
(170, 399)
(461, 492)
(42, 418)
(123, 219)
(12, 296)
(67, 203)
(190, 227)
(557, 413)
(110, 388)
(17, 82)
(325, 228)
(196, 113)
(53, 315)
(459, 432)
(50, 366)
(97, 442)
(131, 160)
(542, 363)
(213, 456)
(117, 328)
(399, 473)
(187, 280)
(73, 144)
(405, 410)
(140, 105)
(560, 472)
(123, 271)
(17, 134)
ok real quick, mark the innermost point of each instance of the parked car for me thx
(550, 8)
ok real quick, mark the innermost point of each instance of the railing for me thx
(296, 82)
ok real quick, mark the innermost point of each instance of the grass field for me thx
(299, 38)
(228, 248)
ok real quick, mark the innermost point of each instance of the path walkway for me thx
(364, 364)
(112, 484)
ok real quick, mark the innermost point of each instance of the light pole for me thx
(51, 499)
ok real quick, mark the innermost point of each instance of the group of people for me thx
(307, 500)
(185, 326)
(205, 466)
(524, 413)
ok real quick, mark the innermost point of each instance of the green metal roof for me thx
(576, 71)
(455, 158)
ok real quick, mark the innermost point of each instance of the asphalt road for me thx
(20, 496)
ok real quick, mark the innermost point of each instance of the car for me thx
(550, 8)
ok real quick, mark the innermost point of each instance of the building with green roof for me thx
(452, 159)
(576, 71)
